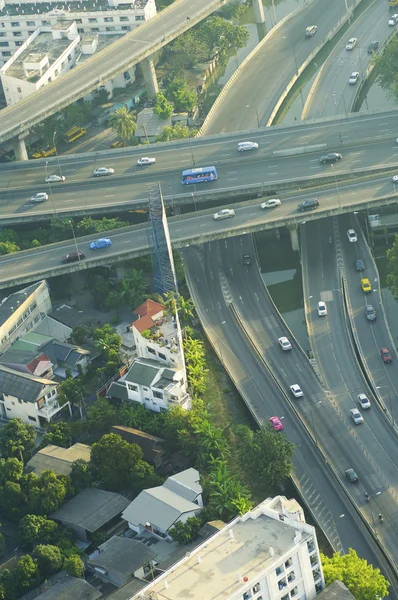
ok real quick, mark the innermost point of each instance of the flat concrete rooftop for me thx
(42, 45)
(225, 560)
(51, 8)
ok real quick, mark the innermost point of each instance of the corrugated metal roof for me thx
(122, 556)
(58, 459)
(23, 385)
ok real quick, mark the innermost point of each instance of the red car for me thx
(386, 355)
(276, 423)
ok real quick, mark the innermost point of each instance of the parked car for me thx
(352, 42)
(308, 204)
(353, 78)
(385, 355)
(101, 171)
(225, 213)
(370, 312)
(393, 20)
(373, 47)
(351, 476)
(356, 416)
(363, 401)
(322, 309)
(296, 391)
(73, 257)
(352, 236)
(247, 259)
(332, 157)
(40, 197)
(366, 285)
(145, 160)
(284, 343)
(55, 179)
(100, 243)
(359, 265)
(311, 30)
(276, 423)
(271, 203)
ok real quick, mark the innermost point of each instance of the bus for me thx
(393, 4)
(199, 175)
(73, 133)
(44, 153)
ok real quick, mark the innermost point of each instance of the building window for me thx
(124, 19)
(17, 33)
(18, 43)
(15, 24)
(19, 89)
(33, 307)
(6, 53)
(80, 30)
(32, 418)
(2, 34)
(93, 20)
(288, 563)
(45, 23)
(109, 29)
(79, 21)
(151, 350)
(294, 592)
(158, 395)
(133, 388)
(4, 44)
(140, 18)
(278, 571)
(95, 29)
(30, 23)
(162, 356)
(8, 408)
(19, 401)
(126, 28)
(108, 19)
(256, 588)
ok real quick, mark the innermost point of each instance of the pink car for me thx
(276, 423)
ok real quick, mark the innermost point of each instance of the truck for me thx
(73, 133)
(44, 153)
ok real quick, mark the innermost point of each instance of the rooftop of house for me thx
(127, 591)
(10, 303)
(143, 371)
(58, 459)
(23, 385)
(242, 547)
(144, 323)
(122, 556)
(70, 588)
(67, 8)
(43, 45)
(117, 390)
(91, 509)
(186, 483)
(32, 343)
(150, 308)
(336, 591)
(149, 124)
(150, 445)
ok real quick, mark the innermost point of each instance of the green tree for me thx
(176, 132)
(163, 108)
(11, 469)
(58, 434)
(183, 96)
(8, 248)
(101, 96)
(361, 578)
(107, 339)
(265, 457)
(386, 65)
(46, 493)
(33, 530)
(17, 439)
(49, 559)
(26, 573)
(123, 124)
(392, 267)
(74, 566)
(72, 390)
(101, 415)
(186, 51)
(183, 533)
(186, 309)
(80, 475)
(79, 335)
(89, 225)
(119, 465)
(220, 35)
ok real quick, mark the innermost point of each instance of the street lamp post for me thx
(190, 147)
(337, 187)
(75, 240)
(379, 387)
(56, 153)
(194, 201)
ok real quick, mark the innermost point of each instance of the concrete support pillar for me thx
(20, 149)
(258, 11)
(149, 73)
(294, 238)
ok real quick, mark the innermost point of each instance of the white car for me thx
(225, 213)
(284, 343)
(145, 160)
(356, 416)
(296, 391)
(352, 236)
(352, 42)
(395, 178)
(393, 20)
(55, 179)
(40, 197)
(243, 146)
(353, 78)
(101, 171)
(322, 309)
(363, 401)
(270, 203)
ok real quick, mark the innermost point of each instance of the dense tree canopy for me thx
(17, 439)
(181, 95)
(392, 260)
(58, 434)
(163, 108)
(386, 65)
(123, 123)
(175, 132)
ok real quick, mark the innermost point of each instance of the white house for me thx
(22, 311)
(270, 553)
(158, 509)
(28, 397)
(150, 383)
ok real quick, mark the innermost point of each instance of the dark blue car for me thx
(101, 243)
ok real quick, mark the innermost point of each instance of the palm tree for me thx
(186, 309)
(123, 124)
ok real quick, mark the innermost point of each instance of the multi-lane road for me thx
(365, 141)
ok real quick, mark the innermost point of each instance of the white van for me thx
(243, 146)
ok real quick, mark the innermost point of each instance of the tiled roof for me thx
(145, 322)
(149, 307)
(22, 385)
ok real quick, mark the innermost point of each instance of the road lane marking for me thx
(110, 196)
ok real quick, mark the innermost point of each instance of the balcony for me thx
(316, 574)
(313, 560)
(49, 409)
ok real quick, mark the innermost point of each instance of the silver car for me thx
(40, 197)
(101, 171)
(225, 213)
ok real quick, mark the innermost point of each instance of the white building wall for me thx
(27, 411)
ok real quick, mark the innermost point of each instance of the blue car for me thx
(101, 243)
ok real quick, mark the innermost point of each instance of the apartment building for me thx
(19, 20)
(270, 553)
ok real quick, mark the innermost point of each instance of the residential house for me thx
(22, 311)
(28, 397)
(64, 587)
(153, 385)
(118, 560)
(161, 340)
(270, 553)
(57, 459)
(150, 125)
(151, 446)
(158, 509)
(90, 511)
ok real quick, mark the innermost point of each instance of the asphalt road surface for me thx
(255, 91)
(213, 287)
(331, 94)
